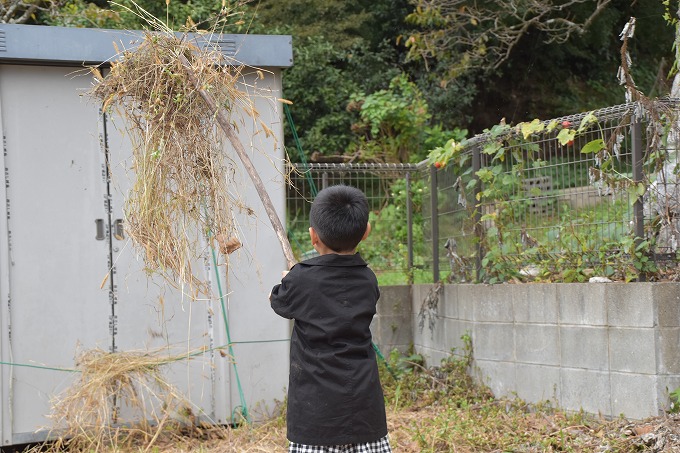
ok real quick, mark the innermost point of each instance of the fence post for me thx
(476, 166)
(324, 180)
(409, 226)
(638, 211)
(434, 206)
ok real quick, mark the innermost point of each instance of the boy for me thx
(335, 401)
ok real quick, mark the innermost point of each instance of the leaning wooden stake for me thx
(228, 129)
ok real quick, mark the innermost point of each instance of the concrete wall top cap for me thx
(64, 46)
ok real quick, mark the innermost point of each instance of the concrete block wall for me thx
(605, 348)
(392, 326)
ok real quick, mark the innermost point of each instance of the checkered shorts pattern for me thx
(378, 446)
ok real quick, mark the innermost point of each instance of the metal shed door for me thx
(51, 263)
(150, 314)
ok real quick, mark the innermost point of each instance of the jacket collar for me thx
(333, 259)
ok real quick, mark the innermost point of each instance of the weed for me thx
(445, 409)
(675, 401)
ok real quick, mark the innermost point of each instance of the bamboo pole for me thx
(228, 129)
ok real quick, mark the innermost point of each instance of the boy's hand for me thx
(283, 274)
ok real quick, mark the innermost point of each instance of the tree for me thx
(340, 48)
(342, 23)
(544, 77)
(22, 12)
(226, 16)
(544, 58)
(481, 35)
(392, 119)
(319, 88)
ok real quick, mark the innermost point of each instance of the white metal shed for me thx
(65, 168)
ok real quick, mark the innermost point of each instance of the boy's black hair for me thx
(339, 215)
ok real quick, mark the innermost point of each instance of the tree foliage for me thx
(319, 89)
(342, 23)
(474, 62)
(25, 11)
(545, 80)
(221, 16)
(394, 121)
(340, 49)
(482, 35)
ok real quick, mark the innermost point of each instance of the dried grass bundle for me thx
(180, 193)
(87, 416)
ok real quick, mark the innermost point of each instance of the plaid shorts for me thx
(377, 446)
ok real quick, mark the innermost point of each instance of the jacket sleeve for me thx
(282, 296)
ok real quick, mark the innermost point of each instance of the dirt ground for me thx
(418, 429)
(657, 434)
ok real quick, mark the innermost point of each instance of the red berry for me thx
(566, 123)
(438, 164)
(570, 143)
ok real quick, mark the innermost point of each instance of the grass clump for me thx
(445, 409)
(120, 399)
(184, 182)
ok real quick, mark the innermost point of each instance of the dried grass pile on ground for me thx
(87, 415)
(182, 177)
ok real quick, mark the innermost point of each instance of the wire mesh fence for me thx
(560, 200)
(592, 194)
(394, 192)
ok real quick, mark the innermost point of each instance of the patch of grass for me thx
(443, 408)
(401, 276)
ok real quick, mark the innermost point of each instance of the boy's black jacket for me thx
(334, 393)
